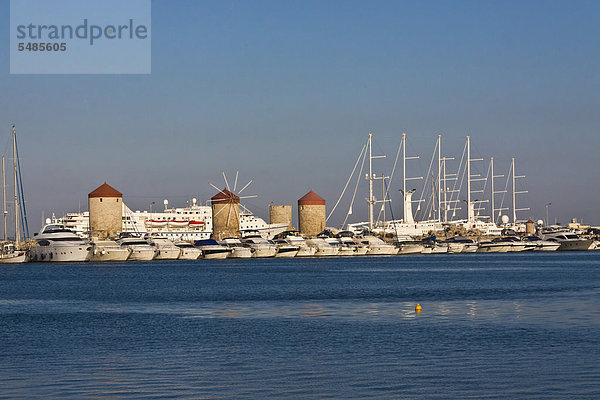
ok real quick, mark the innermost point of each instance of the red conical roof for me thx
(311, 199)
(225, 196)
(105, 190)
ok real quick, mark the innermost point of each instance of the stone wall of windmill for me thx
(279, 214)
(106, 209)
(226, 215)
(311, 214)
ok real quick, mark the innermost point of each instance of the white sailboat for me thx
(10, 253)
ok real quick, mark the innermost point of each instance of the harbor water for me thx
(496, 326)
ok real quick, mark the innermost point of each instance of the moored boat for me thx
(569, 241)
(9, 254)
(237, 248)
(55, 243)
(140, 249)
(188, 251)
(211, 250)
(108, 250)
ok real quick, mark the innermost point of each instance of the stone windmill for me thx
(226, 209)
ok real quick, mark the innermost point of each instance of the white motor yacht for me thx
(55, 243)
(460, 244)
(359, 248)
(211, 250)
(165, 249)
(108, 250)
(285, 250)
(304, 250)
(435, 248)
(344, 249)
(9, 254)
(569, 241)
(378, 247)
(322, 248)
(406, 245)
(238, 250)
(538, 244)
(188, 251)
(493, 246)
(262, 248)
(140, 249)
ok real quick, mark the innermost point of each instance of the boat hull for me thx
(13, 258)
(240, 252)
(575, 245)
(167, 254)
(346, 251)
(141, 255)
(60, 253)
(306, 251)
(382, 250)
(189, 254)
(410, 249)
(286, 253)
(214, 255)
(264, 253)
(109, 254)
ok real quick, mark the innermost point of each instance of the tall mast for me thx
(469, 216)
(515, 192)
(370, 182)
(4, 212)
(492, 206)
(439, 178)
(404, 163)
(445, 192)
(370, 177)
(16, 191)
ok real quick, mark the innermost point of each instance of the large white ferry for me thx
(193, 222)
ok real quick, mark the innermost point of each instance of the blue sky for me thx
(287, 92)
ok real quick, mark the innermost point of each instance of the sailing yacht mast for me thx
(515, 192)
(407, 196)
(4, 212)
(371, 200)
(492, 205)
(470, 214)
(494, 218)
(16, 191)
(439, 144)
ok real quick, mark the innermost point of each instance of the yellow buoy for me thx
(418, 308)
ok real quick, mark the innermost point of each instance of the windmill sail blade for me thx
(215, 187)
(218, 212)
(247, 184)
(228, 214)
(235, 182)
(237, 215)
(226, 183)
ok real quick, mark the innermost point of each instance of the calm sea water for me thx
(492, 326)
